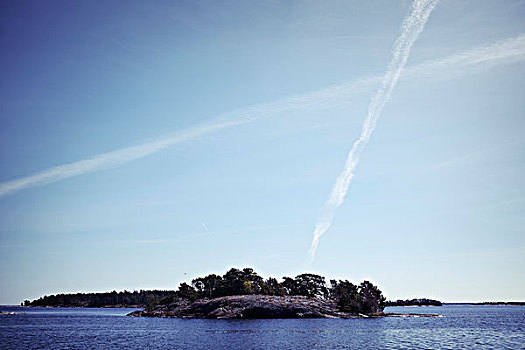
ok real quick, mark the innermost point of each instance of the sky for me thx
(143, 144)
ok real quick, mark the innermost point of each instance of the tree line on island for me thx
(414, 302)
(362, 298)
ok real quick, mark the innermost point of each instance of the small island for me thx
(240, 294)
(414, 302)
(501, 303)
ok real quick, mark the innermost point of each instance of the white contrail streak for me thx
(471, 61)
(412, 26)
(109, 159)
(501, 52)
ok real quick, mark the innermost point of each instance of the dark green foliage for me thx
(414, 302)
(310, 285)
(288, 286)
(346, 295)
(272, 287)
(167, 300)
(365, 298)
(187, 292)
(240, 282)
(207, 287)
(372, 299)
(151, 302)
(124, 299)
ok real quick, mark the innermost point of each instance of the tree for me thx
(124, 298)
(272, 287)
(310, 285)
(372, 299)
(365, 298)
(151, 302)
(207, 287)
(233, 282)
(254, 279)
(288, 285)
(247, 287)
(187, 292)
(169, 299)
(346, 295)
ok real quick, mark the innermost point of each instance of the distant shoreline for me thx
(486, 303)
(496, 303)
(343, 295)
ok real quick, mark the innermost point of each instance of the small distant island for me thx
(414, 302)
(515, 303)
(242, 293)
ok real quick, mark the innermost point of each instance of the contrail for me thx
(482, 58)
(412, 26)
(110, 159)
(471, 61)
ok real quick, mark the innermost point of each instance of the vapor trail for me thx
(501, 52)
(110, 159)
(412, 26)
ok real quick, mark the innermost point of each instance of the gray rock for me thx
(248, 306)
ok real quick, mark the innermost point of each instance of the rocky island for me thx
(258, 307)
(247, 306)
(243, 294)
(238, 294)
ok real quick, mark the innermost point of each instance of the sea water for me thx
(462, 327)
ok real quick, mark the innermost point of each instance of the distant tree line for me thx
(520, 303)
(115, 299)
(414, 302)
(362, 298)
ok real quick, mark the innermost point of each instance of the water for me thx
(463, 327)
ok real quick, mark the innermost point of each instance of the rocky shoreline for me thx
(257, 307)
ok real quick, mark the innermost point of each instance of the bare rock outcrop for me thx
(248, 306)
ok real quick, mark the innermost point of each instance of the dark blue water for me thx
(463, 327)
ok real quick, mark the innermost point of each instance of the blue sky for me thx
(255, 106)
